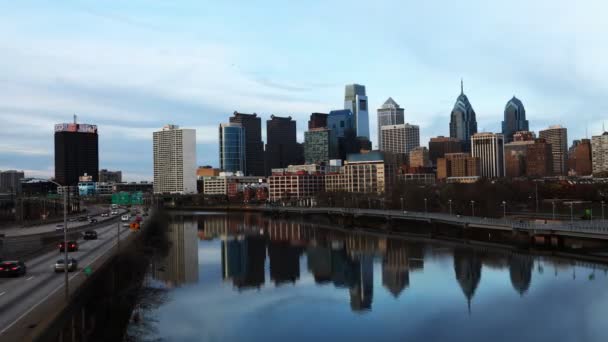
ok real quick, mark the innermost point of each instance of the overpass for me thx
(596, 229)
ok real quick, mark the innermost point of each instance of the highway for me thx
(19, 296)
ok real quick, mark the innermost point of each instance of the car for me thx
(72, 246)
(126, 224)
(60, 265)
(92, 220)
(125, 218)
(59, 228)
(82, 218)
(105, 214)
(72, 219)
(114, 212)
(90, 235)
(12, 268)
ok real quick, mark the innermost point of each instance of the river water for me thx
(251, 278)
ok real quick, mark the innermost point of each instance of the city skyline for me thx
(200, 78)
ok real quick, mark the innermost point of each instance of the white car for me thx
(114, 212)
(105, 214)
(125, 218)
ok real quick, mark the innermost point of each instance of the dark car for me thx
(72, 246)
(92, 220)
(90, 235)
(82, 218)
(12, 268)
(60, 265)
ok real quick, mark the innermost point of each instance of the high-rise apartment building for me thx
(356, 100)
(317, 120)
(388, 115)
(400, 139)
(599, 152)
(515, 158)
(254, 146)
(579, 159)
(515, 119)
(232, 147)
(174, 160)
(282, 148)
(10, 181)
(319, 146)
(107, 176)
(539, 159)
(490, 149)
(439, 146)
(557, 136)
(76, 152)
(463, 123)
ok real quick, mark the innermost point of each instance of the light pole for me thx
(425, 207)
(504, 210)
(450, 204)
(402, 208)
(472, 208)
(65, 236)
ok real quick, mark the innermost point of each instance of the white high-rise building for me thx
(490, 149)
(399, 139)
(174, 160)
(599, 153)
(389, 114)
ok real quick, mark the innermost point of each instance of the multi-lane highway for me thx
(20, 296)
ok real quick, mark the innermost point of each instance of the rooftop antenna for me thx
(461, 86)
(74, 118)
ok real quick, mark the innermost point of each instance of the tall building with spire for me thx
(356, 100)
(515, 119)
(389, 114)
(463, 123)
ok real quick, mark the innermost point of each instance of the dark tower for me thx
(463, 123)
(254, 146)
(282, 148)
(515, 119)
(76, 152)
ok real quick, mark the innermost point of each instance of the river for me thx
(246, 277)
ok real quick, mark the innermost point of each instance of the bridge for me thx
(596, 229)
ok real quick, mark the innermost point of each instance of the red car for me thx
(72, 246)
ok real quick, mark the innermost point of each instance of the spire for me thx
(461, 86)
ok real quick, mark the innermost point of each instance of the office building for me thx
(539, 159)
(524, 136)
(319, 146)
(175, 160)
(229, 184)
(580, 158)
(10, 181)
(557, 136)
(295, 185)
(76, 152)
(439, 146)
(463, 123)
(37, 187)
(254, 146)
(419, 157)
(356, 100)
(515, 119)
(207, 171)
(599, 152)
(457, 165)
(340, 122)
(106, 176)
(490, 149)
(515, 158)
(282, 148)
(232, 147)
(388, 115)
(317, 120)
(400, 139)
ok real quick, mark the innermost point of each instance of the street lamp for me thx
(504, 209)
(65, 235)
(450, 204)
(472, 208)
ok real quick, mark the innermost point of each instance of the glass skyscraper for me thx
(356, 100)
(232, 147)
(463, 123)
(515, 119)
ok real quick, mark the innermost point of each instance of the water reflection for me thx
(257, 251)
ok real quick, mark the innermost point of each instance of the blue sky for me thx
(132, 66)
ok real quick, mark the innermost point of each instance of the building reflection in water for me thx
(341, 259)
(180, 266)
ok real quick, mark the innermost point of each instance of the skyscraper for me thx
(440, 145)
(174, 160)
(282, 148)
(557, 136)
(389, 114)
(254, 146)
(463, 123)
(319, 146)
(232, 147)
(539, 159)
(356, 100)
(419, 157)
(76, 152)
(400, 139)
(490, 149)
(515, 119)
(579, 161)
(10, 181)
(317, 120)
(599, 152)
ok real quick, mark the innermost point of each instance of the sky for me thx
(131, 67)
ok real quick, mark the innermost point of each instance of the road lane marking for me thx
(2, 294)
(30, 278)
